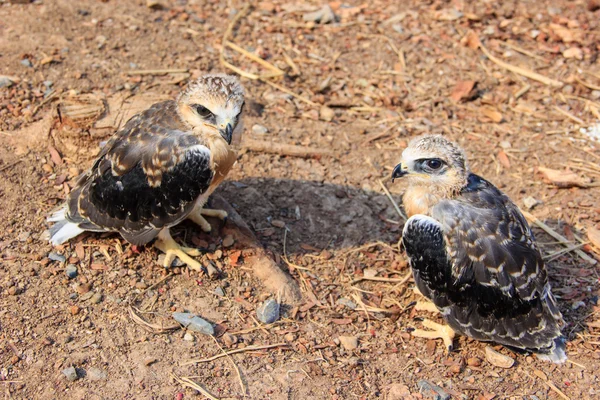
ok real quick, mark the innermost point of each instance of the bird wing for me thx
(148, 176)
(477, 260)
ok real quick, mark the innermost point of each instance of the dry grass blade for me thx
(191, 384)
(255, 58)
(569, 115)
(134, 313)
(382, 279)
(224, 354)
(587, 84)
(521, 71)
(157, 72)
(284, 149)
(389, 195)
(237, 369)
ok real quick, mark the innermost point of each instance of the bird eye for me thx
(433, 164)
(203, 111)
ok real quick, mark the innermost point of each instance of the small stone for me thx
(188, 337)
(505, 144)
(497, 359)
(219, 291)
(268, 312)
(228, 241)
(83, 288)
(474, 362)
(95, 374)
(141, 285)
(54, 256)
(70, 373)
(369, 272)
(289, 337)
(229, 339)
(429, 390)
(398, 391)
(14, 359)
(6, 81)
(322, 16)
(71, 271)
(346, 302)
(74, 310)
(259, 129)
(530, 202)
(97, 297)
(13, 290)
(26, 62)
(24, 236)
(194, 323)
(154, 4)
(47, 341)
(349, 342)
(326, 114)
(278, 223)
(149, 361)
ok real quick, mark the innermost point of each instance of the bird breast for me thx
(418, 200)
(222, 158)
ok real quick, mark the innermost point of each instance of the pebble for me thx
(194, 323)
(97, 297)
(219, 291)
(83, 288)
(26, 62)
(346, 302)
(398, 391)
(268, 312)
(5, 81)
(189, 337)
(431, 391)
(326, 114)
(95, 374)
(497, 359)
(474, 362)
(74, 310)
(13, 290)
(278, 223)
(322, 16)
(530, 202)
(54, 256)
(228, 241)
(349, 342)
(229, 339)
(259, 129)
(70, 373)
(71, 271)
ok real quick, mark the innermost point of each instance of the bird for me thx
(159, 170)
(474, 256)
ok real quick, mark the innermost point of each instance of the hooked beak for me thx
(227, 133)
(398, 172)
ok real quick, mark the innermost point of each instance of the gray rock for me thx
(188, 337)
(431, 391)
(26, 62)
(194, 323)
(71, 271)
(259, 129)
(95, 374)
(219, 291)
(70, 373)
(268, 312)
(347, 302)
(322, 16)
(5, 81)
(97, 297)
(54, 256)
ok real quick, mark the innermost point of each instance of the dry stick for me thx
(523, 51)
(245, 349)
(254, 58)
(379, 135)
(237, 370)
(156, 71)
(587, 84)
(389, 195)
(190, 383)
(564, 241)
(569, 115)
(10, 165)
(382, 279)
(521, 71)
(284, 149)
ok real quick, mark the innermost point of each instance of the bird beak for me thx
(399, 172)
(227, 133)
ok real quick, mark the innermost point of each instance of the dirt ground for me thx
(359, 87)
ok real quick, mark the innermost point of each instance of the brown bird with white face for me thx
(159, 169)
(473, 254)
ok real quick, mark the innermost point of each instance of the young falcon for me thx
(473, 254)
(159, 169)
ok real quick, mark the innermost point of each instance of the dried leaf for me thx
(56, 159)
(565, 34)
(573, 52)
(80, 251)
(471, 40)
(448, 14)
(497, 359)
(462, 91)
(503, 159)
(492, 114)
(540, 374)
(563, 179)
(594, 236)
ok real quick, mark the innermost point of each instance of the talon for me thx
(167, 245)
(437, 331)
(197, 215)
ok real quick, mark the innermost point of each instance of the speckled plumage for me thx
(473, 254)
(164, 162)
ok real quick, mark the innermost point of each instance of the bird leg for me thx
(197, 215)
(167, 245)
(437, 331)
(425, 305)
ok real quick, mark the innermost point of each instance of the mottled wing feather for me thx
(147, 177)
(486, 275)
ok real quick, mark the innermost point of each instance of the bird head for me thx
(435, 162)
(213, 105)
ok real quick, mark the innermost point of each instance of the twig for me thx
(156, 328)
(237, 370)
(587, 84)
(382, 279)
(389, 195)
(284, 149)
(10, 165)
(379, 135)
(254, 58)
(569, 115)
(564, 241)
(190, 383)
(245, 349)
(521, 71)
(156, 71)
(523, 51)
(288, 91)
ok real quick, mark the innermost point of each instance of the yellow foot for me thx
(426, 306)
(167, 245)
(436, 331)
(198, 217)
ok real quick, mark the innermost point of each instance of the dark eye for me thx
(433, 164)
(203, 111)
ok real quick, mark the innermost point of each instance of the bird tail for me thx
(556, 353)
(62, 230)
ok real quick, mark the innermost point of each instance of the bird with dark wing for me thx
(159, 170)
(473, 255)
